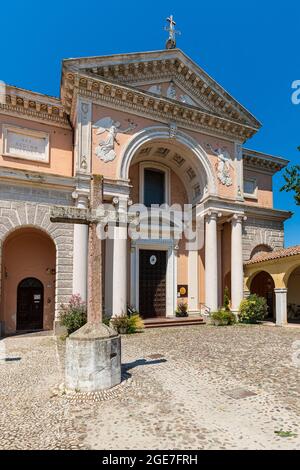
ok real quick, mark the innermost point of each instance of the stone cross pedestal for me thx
(93, 353)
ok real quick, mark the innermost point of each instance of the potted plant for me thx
(182, 310)
(223, 318)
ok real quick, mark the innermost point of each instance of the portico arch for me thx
(194, 153)
(28, 280)
(19, 216)
(293, 295)
(263, 285)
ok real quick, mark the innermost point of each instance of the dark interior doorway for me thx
(263, 285)
(152, 283)
(30, 304)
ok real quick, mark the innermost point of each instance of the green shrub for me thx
(226, 300)
(182, 310)
(135, 324)
(106, 320)
(125, 324)
(253, 309)
(73, 315)
(223, 318)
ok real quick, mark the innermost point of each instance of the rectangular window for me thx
(154, 187)
(250, 187)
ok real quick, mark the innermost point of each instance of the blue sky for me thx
(250, 48)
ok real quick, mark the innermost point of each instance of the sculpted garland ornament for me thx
(105, 150)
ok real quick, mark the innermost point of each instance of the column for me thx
(220, 290)
(237, 271)
(211, 262)
(281, 307)
(193, 262)
(80, 253)
(119, 267)
(108, 277)
(133, 275)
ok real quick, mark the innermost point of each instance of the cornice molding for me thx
(148, 105)
(34, 106)
(38, 178)
(265, 163)
(217, 203)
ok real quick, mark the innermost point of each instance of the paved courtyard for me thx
(188, 388)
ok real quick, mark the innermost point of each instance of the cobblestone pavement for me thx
(188, 388)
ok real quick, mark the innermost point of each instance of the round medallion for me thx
(153, 260)
(182, 291)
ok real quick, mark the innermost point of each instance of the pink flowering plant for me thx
(74, 314)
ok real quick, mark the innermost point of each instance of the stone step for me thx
(176, 322)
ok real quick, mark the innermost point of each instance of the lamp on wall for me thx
(50, 271)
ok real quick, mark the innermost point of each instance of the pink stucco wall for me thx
(265, 188)
(61, 148)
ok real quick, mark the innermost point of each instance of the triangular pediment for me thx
(171, 89)
(169, 74)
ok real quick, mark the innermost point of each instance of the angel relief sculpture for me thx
(223, 165)
(105, 150)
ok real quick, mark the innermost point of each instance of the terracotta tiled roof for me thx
(284, 253)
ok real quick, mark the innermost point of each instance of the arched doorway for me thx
(294, 296)
(263, 286)
(30, 304)
(28, 280)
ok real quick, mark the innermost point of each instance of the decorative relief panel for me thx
(171, 92)
(26, 144)
(105, 149)
(224, 164)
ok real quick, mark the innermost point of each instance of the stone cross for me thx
(90, 217)
(171, 42)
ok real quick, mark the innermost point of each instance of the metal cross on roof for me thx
(171, 42)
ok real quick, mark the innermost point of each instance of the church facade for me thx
(161, 132)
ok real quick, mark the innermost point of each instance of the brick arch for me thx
(261, 248)
(15, 215)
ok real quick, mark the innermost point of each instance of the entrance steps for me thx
(163, 322)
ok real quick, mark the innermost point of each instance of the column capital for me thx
(81, 196)
(122, 201)
(280, 290)
(238, 218)
(213, 215)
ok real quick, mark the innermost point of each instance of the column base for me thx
(93, 359)
(58, 329)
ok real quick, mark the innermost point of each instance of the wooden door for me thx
(152, 283)
(30, 305)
